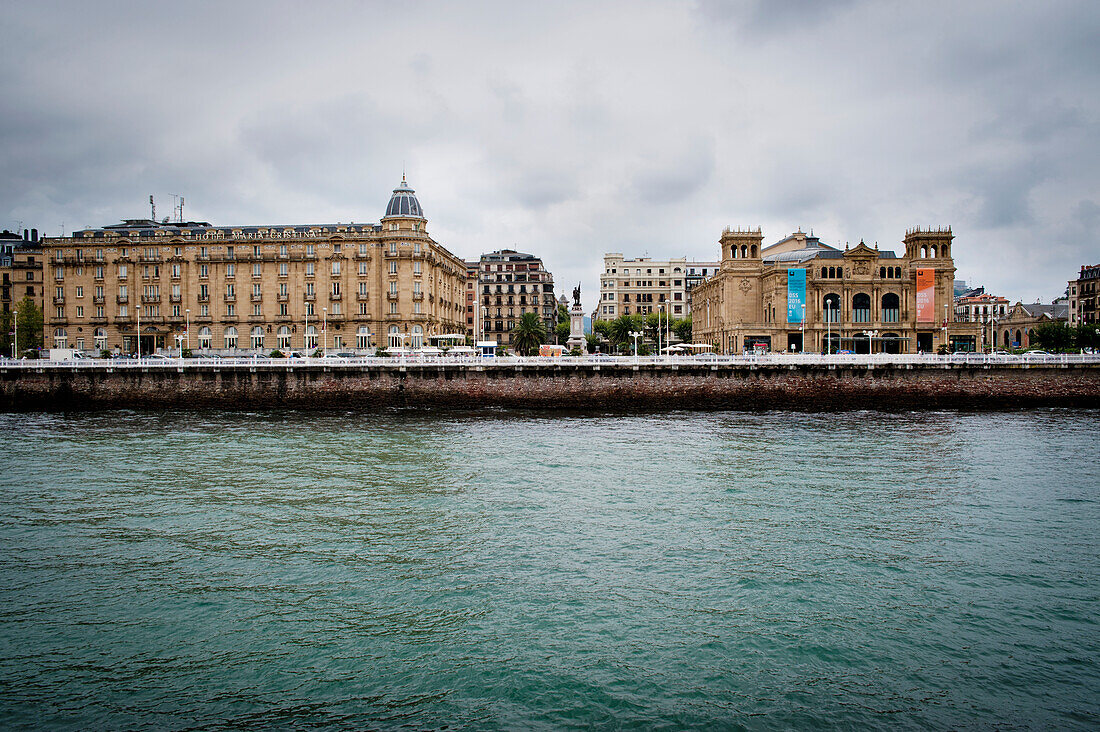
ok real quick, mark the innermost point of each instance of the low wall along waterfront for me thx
(821, 384)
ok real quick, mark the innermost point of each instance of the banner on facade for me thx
(926, 296)
(796, 295)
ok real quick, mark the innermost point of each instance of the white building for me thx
(639, 286)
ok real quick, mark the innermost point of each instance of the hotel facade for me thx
(802, 295)
(253, 289)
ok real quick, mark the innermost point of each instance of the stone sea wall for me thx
(617, 386)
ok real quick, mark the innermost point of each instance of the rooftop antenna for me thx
(152, 208)
(177, 209)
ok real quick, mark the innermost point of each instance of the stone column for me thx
(576, 328)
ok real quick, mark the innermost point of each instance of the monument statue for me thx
(577, 294)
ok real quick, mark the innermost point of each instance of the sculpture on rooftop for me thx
(577, 294)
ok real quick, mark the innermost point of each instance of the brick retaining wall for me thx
(618, 386)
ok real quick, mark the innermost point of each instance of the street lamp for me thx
(635, 335)
(187, 326)
(660, 326)
(137, 307)
(324, 329)
(15, 343)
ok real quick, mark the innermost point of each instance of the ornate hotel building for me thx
(234, 289)
(855, 298)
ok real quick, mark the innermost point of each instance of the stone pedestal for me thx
(576, 329)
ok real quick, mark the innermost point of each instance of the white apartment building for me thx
(639, 286)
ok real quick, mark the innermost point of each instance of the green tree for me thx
(1088, 335)
(563, 314)
(1054, 336)
(529, 334)
(619, 330)
(602, 327)
(30, 327)
(682, 329)
(561, 330)
(591, 342)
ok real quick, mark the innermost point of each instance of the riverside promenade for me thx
(805, 381)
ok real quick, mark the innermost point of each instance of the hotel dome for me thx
(403, 202)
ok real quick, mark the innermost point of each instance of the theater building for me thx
(800, 294)
(254, 289)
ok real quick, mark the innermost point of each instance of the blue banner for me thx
(796, 295)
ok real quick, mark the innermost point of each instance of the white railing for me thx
(771, 359)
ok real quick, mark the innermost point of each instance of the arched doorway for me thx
(230, 337)
(282, 338)
(861, 343)
(891, 343)
(205, 338)
(394, 337)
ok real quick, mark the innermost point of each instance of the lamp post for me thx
(137, 307)
(15, 343)
(324, 329)
(635, 334)
(305, 337)
(660, 327)
(945, 327)
(179, 342)
(187, 326)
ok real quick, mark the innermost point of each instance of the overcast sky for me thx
(572, 129)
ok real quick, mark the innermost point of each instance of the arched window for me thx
(311, 338)
(362, 337)
(891, 306)
(924, 252)
(1019, 339)
(824, 272)
(282, 338)
(897, 272)
(417, 337)
(204, 337)
(744, 251)
(753, 250)
(861, 308)
(101, 339)
(230, 338)
(1007, 340)
(257, 337)
(831, 308)
(394, 337)
(60, 340)
(882, 272)
(932, 250)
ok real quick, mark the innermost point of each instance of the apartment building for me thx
(512, 283)
(639, 286)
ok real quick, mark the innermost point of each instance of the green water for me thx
(408, 569)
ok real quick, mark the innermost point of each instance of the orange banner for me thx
(926, 295)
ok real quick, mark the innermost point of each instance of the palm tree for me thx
(620, 328)
(529, 334)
